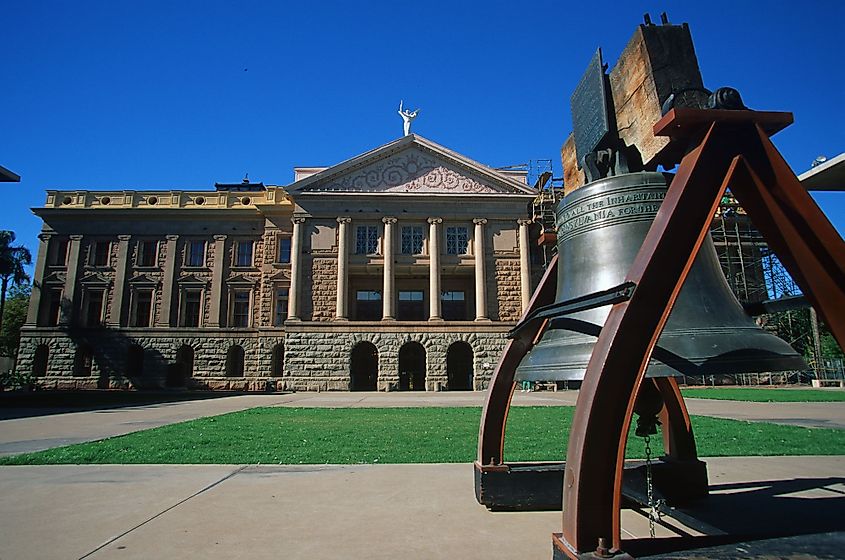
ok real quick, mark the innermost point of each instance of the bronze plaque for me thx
(590, 119)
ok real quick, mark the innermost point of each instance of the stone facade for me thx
(396, 270)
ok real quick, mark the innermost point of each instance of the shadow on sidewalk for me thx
(44, 403)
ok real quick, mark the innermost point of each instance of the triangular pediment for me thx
(142, 280)
(54, 278)
(95, 278)
(191, 279)
(281, 276)
(239, 279)
(411, 165)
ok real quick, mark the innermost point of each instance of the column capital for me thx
(435, 220)
(298, 219)
(171, 237)
(220, 237)
(124, 237)
(525, 221)
(344, 219)
(45, 236)
(75, 237)
(389, 220)
(479, 221)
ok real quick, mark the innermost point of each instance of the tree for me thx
(13, 259)
(14, 316)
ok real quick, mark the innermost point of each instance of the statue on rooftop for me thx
(407, 117)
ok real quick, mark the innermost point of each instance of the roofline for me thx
(7, 176)
(827, 167)
(394, 146)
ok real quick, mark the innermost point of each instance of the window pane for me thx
(196, 253)
(192, 309)
(453, 306)
(281, 307)
(366, 240)
(457, 238)
(411, 306)
(412, 240)
(59, 257)
(94, 315)
(240, 311)
(143, 308)
(284, 250)
(147, 253)
(368, 296)
(101, 253)
(244, 254)
(55, 307)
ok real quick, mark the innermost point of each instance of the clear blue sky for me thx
(159, 95)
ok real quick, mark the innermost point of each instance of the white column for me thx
(295, 260)
(524, 263)
(434, 269)
(215, 315)
(38, 279)
(69, 293)
(166, 311)
(342, 269)
(388, 295)
(123, 255)
(480, 273)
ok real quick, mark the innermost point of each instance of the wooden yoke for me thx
(729, 148)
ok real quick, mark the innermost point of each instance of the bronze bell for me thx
(600, 228)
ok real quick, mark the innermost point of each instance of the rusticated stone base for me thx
(316, 356)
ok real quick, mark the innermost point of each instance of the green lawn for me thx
(401, 435)
(766, 395)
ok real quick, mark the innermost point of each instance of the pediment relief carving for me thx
(283, 274)
(410, 171)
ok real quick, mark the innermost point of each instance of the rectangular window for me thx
(240, 309)
(453, 306)
(366, 240)
(281, 308)
(368, 305)
(412, 240)
(411, 306)
(94, 308)
(457, 239)
(143, 307)
(147, 253)
(284, 250)
(243, 253)
(191, 308)
(100, 253)
(195, 254)
(54, 307)
(58, 256)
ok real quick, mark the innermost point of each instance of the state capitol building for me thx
(400, 269)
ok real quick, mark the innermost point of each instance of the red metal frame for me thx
(729, 148)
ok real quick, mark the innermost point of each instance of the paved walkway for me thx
(361, 511)
(20, 435)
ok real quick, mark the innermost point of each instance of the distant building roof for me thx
(243, 186)
(827, 176)
(7, 176)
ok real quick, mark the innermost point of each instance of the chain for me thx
(654, 513)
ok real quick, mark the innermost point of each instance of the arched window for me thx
(412, 367)
(363, 367)
(135, 361)
(40, 360)
(235, 361)
(83, 360)
(181, 369)
(459, 367)
(277, 368)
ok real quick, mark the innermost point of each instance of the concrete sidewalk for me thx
(356, 511)
(20, 435)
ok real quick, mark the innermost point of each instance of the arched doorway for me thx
(39, 361)
(363, 367)
(459, 367)
(412, 367)
(277, 365)
(183, 368)
(135, 361)
(235, 361)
